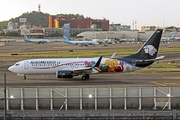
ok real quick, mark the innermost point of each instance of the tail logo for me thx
(149, 49)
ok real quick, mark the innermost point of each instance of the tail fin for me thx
(150, 48)
(172, 37)
(26, 38)
(66, 39)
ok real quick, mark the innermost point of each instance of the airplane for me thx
(82, 43)
(70, 67)
(173, 37)
(37, 41)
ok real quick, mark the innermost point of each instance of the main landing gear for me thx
(24, 77)
(85, 77)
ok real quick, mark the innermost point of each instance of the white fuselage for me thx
(83, 42)
(39, 41)
(52, 65)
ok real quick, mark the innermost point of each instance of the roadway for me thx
(118, 79)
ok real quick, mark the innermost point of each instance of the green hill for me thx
(3, 25)
(35, 18)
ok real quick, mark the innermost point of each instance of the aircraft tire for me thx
(87, 76)
(84, 77)
(24, 77)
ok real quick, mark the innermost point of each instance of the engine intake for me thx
(64, 74)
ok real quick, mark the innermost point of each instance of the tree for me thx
(13, 33)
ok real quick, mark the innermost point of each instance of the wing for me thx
(88, 70)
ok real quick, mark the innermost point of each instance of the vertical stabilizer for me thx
(172, 37)
(150, 48)
(66, 39)
(26, 38)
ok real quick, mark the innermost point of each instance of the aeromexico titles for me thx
(70, 67)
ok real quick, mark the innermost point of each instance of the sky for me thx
(161, 13)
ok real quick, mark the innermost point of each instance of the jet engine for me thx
(64, 74)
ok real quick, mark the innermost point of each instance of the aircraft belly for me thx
(41, 71)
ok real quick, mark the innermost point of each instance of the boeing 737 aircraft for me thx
(37, 41)
(70, 67)
(173, 37)
(82, 43)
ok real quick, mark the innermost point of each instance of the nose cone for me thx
(11, 68)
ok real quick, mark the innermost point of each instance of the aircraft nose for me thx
(11, 68)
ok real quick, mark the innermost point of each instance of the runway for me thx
(110, 79)
(117, 79)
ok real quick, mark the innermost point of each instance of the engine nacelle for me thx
(64, 74)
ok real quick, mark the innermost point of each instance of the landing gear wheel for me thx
(86, 76)
(24, 77)
(83, 77)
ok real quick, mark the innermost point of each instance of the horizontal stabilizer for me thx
(156, 59)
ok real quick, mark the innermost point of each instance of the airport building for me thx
(87, 28)
(166, 29)
(148, 28)
(86, 23)
(119, 27)
(11, 27)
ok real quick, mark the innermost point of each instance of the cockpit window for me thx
(17, 64)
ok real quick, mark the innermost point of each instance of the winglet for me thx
(113, 55)
(96, 66)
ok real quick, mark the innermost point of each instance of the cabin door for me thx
(26, 65)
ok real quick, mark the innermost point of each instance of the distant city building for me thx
(15, 26)
(148, 28)
(52, 31)
(32, 31)
(25, 26)
(59, 25)
(87, 23)
(171, 29)
(166, 29)
(119, 27)
(11, 27)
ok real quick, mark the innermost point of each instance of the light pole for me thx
(5, 110)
